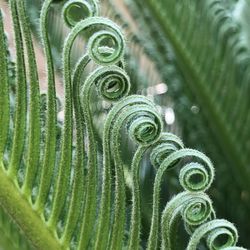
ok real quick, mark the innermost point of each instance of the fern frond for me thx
(49, 188)
(220, 37)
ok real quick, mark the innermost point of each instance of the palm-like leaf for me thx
(219, 79)
(201, 50)
(49, 182)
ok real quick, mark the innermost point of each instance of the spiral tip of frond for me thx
(75, 11)
(106, 47)
(112, 82)
(219, 234)
(197, 210)
(168, 144)
(194, 177)
(145, 130)
(144, 124)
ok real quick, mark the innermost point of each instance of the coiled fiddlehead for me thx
(145, 128)
(126, 110)
(90, 200)
(102, 55)
(73, 212)
(168, 143)
(194, 177)
(219, 234)
(167, 164)
(83, 7)
(112, 84)
(194, 208)
(106, 59)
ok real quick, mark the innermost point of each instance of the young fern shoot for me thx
(65, 191)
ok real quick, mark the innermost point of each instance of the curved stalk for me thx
(194, 208)
(212, 230)
(145, 128)
(102, 238)
(78, 179)
(165, 165)
(104, 78)
(21, 98)
(48, 160)
(170, 143)
(4, 91)
(33, 153)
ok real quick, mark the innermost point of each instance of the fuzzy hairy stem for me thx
(129, 104)
(194, 208)
(30, 223)
(212, 230)
(63, 177)
(78, 179)
(4, 91)
(167, 143)
(33, 153)
(48, 160)
(145, 128)
(165, 165)
(21, 98)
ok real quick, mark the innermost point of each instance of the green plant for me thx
(201, 51)
(49, 189)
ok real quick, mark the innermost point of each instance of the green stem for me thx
(4, 91)
(121, 111)
(211, 230)
(65, 162)
(30, 222)
(78, 179)
(34, 106)
(66, 156)
(135, 224)
(103, 224)
(48, 160)
(170, 143)
(89, 212)
(21, 97)
(194, 207)
(168, 163)
(104, 78)
(11, 236)
(144, 121)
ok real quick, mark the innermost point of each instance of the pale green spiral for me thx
(84, 9)
(194, 177)
(112, 82)
(141, 115)
(194, 208)
(172, 142)
(213, 231)
(167, 164)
